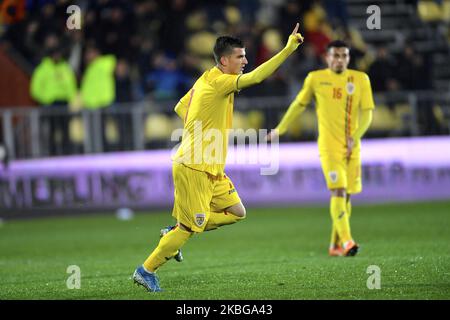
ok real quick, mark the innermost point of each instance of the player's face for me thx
(338, 59)
(235, 62)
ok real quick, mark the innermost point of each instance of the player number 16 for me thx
(337, 93)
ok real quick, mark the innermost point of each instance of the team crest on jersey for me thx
(350, 87)
(200, 219)
(333, 176)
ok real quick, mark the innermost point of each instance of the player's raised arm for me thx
(268, 67)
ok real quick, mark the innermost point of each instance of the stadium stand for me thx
(154, 69)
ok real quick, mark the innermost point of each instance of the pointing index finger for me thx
(295, 29)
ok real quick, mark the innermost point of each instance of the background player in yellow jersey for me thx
(344, 106)
(205, 197)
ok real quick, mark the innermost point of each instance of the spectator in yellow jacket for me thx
(54, 86)
(98, 89)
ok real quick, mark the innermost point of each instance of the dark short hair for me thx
(225, 45)
(337, 44)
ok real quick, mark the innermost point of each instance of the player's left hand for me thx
(295, 38)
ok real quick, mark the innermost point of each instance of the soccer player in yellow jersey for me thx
(205, 197)
(344, 105)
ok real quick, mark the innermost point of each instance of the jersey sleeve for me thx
(305, 95)
(366, 94)
(226, 83)
(267, 68)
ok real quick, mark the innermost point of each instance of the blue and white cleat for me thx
(149, 280)
(178, 256)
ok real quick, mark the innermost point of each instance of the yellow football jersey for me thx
(338, 97)
(207, 110)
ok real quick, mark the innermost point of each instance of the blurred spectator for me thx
(118, 31)
(166, 81)
(123, 82)
(173, 26)
(123, 98)
(267, 15)
(317, 30)
(98, 87)
(248, 9)
(144, 63)
(381, 72)
(292, 13)
(270, 44)
(336, 12)
(47, 23)
(148, 19)
(383, 78)
(299, 66)
(214, 9)
(53, 85)
(201, 40)
(189, 66)
(414, 73)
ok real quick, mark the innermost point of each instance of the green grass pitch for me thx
(274, 254)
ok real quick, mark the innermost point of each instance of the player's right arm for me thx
(267, 68)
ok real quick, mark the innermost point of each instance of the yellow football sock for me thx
(217, 219)
(339, 215)
(167, 248)
(334, 235)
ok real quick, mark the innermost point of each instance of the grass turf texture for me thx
(273, 254)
